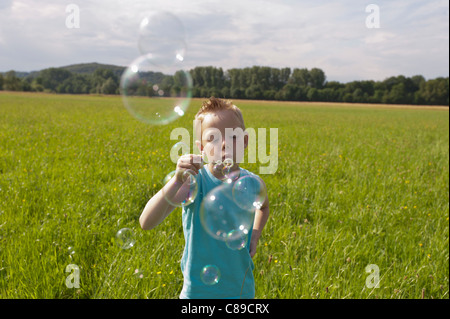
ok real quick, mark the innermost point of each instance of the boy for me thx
(236, 266)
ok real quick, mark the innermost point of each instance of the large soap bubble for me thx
(220, 216)
(155, 94)
(162, 36)
(249, 192)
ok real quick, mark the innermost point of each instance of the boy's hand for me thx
(189, 162)
(253, 243)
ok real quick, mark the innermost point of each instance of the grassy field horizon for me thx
(356, 185)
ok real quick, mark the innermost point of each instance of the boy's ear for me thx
(245, 139)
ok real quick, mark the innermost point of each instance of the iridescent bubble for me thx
(218, 167)
(125, 238)
(226, 170)
(249, 192)
(223, 170)
(232, 177)
(210, 275)
(183, 191)
(237, 239)
(220, 215)
(155, 94)
(162, 36)
(227, 166)
(228, 162)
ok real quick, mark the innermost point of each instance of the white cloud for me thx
(413, 38)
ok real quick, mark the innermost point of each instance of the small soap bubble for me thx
(185, 191)
(237, 239)
(228, 162)
(218, 167)
(210, 275)
(125, 238)
(226, 169)
(223, 170)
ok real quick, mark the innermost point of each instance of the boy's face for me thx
(223, 137)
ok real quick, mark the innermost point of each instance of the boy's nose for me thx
(225, 145)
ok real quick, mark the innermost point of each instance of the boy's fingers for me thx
(188, 166)
(193, 159)
(196, 159)
(197, 166)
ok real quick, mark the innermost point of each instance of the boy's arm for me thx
(158, 208)
(261, 217)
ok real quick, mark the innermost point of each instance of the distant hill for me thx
(82, 68)
(88, 68)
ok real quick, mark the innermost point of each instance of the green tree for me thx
(109, 86)
(225, 92)
(254, 92)
(11, 82)
(51, 78)
(36, 87)
(317, 78)
(435, 92)
(313, 94)
(99, 77)
(358, 96)
(300, 77)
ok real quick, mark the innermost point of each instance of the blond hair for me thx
(213, 105)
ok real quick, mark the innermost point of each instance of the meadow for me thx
(356, 185)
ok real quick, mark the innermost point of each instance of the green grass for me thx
(355, 186)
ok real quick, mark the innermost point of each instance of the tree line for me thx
(257, 82)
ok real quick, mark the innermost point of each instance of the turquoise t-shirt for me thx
(201, 249)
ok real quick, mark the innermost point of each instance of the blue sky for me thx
(413, 37)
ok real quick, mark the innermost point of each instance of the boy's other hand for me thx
(253, 243)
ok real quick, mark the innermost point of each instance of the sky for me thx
(412, 36)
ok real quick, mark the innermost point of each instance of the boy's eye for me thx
(212, 139)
